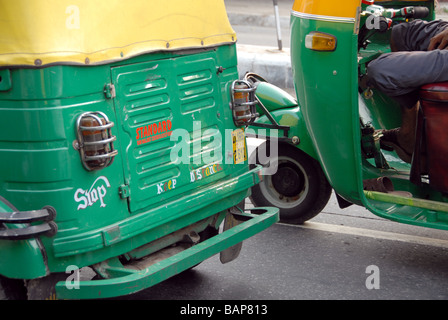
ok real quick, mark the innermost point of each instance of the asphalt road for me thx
(339, 255)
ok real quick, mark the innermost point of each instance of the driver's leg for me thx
(415, 35)
(401, 74)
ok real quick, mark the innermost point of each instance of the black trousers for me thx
(401, 73)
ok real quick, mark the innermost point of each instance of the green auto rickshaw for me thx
(122, 145)
(329, 136)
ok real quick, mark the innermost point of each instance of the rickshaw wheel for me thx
(44, 288)
(298, 188)
(12, 289)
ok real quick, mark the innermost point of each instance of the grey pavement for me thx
(267, 60)
(258, 12)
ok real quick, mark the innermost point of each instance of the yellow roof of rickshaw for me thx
(42, 32)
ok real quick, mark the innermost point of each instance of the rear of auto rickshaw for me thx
(122, 145)
(330, 136)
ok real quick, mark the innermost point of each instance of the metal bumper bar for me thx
(133, 281)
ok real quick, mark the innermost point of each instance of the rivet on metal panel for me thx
(76, 145)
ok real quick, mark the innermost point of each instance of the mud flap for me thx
(232, 252)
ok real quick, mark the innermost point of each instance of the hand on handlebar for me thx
(439, 41)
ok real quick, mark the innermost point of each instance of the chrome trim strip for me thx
(322, 18)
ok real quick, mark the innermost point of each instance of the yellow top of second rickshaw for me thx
(330, 8)
(42, 32)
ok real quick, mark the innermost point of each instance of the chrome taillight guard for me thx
(95, 140)
(243, 102)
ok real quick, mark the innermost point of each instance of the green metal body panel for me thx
(27, 257)
(273, 97)
(293, 118)
(145, 194)
(326, 87)
(326, 84)
(286, 112)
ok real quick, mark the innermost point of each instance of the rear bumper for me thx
(133, 281)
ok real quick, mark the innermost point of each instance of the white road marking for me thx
(373, 234)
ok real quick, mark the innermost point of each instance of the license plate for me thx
(239, 146)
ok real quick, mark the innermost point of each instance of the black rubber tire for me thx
(299, 188)
(12, 289)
